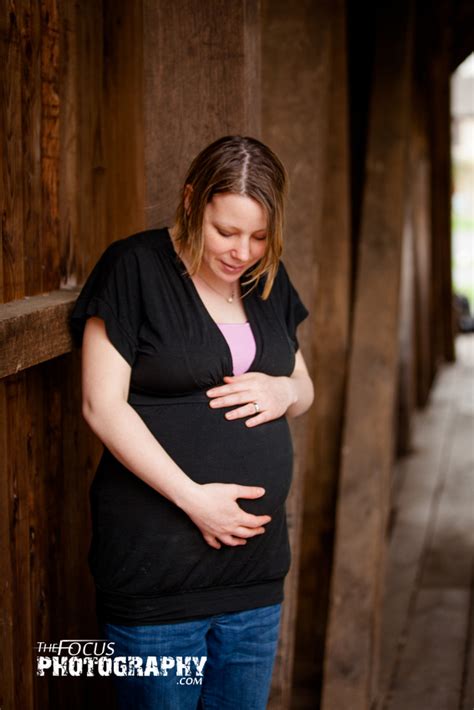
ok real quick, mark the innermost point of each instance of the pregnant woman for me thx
(191, 367)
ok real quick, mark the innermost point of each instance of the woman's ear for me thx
(187, 196)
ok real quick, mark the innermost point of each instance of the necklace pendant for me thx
(230, 299)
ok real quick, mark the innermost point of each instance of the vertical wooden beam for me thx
(50, 143)
(70, 210)
(305, 118)
(123, 105)
(439, 24)
(38, 503)
(201, 82)
(7, 664)
(31, 144)
(406, 387)
(12, 279)
(421, 196)
(19, 539)
(330, 345)
(353, 639)
(85, 141)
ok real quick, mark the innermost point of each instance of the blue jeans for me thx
(240, 648)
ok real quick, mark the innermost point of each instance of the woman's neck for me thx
(206, 276)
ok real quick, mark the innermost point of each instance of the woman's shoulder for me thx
(139, 243)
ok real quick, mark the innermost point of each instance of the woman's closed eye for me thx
(259, 239)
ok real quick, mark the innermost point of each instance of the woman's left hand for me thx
(272, 394)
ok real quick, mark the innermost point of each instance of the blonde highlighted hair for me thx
(244, 166)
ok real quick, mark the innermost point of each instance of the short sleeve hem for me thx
(116, 333)
(112, 292)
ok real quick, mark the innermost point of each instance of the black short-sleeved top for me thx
(149, 561)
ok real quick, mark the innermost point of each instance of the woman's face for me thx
(234, 230)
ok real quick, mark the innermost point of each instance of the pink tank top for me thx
(241, 343)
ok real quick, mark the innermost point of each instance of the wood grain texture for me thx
(11, 194)
(19, 537)
(50, 143)
(34, 329)
(31, 110)
(305, 118)
(418, 479)
(294, 115)
(73, 195)
(324, 229)
(7, 667)
(421, 197)
(201, 82)
(439, 23)
(122, 100)
(406, 390)
(362, 510)
(38, 504)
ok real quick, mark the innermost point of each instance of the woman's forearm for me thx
(128, 438)
(302, 390)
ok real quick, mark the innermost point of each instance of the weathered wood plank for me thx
(50, 251)
(430, 673)
(423, 325)
(38, 502)
(421, 196)
(326, 281)
(429, 668)
(19, 538)
(70, 207)
(55, 478)
(418, 478)
(123, 102)
(354, 634)
(449, 557)
(296, 63)
(467, 692)
(438, 22)
(34, 329)
(31, 144)
(406, 391)
(98, 168)
(209, 50)
(11, 165)
(7, 664)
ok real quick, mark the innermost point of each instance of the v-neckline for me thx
(214, 325)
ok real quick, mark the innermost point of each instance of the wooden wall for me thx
(402, 286)
(103, 104)
(305, 117)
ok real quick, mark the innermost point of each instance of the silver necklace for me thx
(229, 299)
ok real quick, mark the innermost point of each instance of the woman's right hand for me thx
(214, 509)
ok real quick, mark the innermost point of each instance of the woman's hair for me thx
(243, 166)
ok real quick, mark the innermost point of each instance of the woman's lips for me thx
(232, 269)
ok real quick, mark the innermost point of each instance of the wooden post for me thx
(296, 64)
(439, 23)
(201, 81)
(353, 643)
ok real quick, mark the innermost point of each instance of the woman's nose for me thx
(242, 251)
